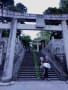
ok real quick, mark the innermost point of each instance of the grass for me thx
(36, 65)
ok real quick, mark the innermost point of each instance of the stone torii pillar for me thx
(0, 34)
(65, 38)
(8, 67)
(37, 46)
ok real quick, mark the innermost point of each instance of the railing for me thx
(1, 54)
(57, 57)
(19, 55)
(56, 46)
(3, 48)
(56, 65)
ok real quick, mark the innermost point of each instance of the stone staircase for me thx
(27, 73)
(27, 70)
(56, 65)
(51, 72)
(52, 75)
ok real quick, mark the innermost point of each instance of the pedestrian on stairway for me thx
(45, 65)
(41, 67)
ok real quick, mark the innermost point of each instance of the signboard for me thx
(40, 21)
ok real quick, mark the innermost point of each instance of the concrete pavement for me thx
(37, 85)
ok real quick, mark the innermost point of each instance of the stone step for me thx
(23, 74)
(26, 77)
(53, 76)
(52, 73)
(27, 70)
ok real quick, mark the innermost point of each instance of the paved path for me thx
(37, 85)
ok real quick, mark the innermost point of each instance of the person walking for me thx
(45, 65)
(42, 67)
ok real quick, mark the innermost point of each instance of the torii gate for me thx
(37, 43)
(39, 19)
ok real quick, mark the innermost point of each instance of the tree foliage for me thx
(25, 40)
(43, 35)
(63, 10)
(5, 33)
(7, 3)
(56, 35)
(18, 8)
(54, 10)
(21, 7)
(18, 33)
(64, 4)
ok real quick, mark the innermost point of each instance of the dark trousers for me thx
(46, 73)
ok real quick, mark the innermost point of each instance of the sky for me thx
(37, 7)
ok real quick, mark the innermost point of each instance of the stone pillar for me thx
(65, 38)
(0, 34)
(37, 47)
(8, 67)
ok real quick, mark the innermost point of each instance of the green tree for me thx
(21, 7)
(6, 3)
(43, 35)
(54, 10)
(5, 33)
(56, 35)
(64, 3)
(25, 40)
(65, 7)
(50, 10)
(60, 10)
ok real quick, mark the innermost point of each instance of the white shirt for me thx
(47, 65)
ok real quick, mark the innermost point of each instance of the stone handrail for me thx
(56, 46)
(1, 54)
(19, 55)
(17, 63)
(55, 65)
